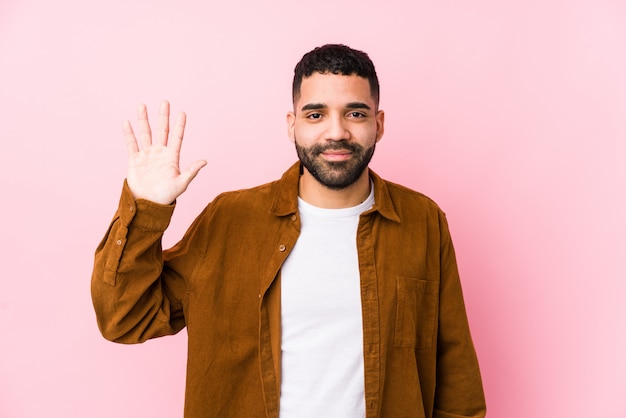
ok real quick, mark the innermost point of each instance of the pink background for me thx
(510, 114)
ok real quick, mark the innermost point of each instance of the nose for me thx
(337, 129)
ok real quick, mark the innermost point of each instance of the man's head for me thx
(335, 123)
(336, 59)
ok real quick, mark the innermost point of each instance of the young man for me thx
(327, 293)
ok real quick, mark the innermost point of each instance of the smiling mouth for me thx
(336, 155)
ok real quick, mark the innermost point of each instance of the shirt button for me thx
(281, 248)
(294, 217)
(130, 208)
(119, 242)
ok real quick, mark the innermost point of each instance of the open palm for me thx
(153, 164)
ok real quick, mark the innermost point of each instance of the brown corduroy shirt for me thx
(222, 281)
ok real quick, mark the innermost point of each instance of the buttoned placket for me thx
(270, 315)
(371, 316)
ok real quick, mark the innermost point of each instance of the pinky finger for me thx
(129, 136)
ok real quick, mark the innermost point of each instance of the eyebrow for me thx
(351, 105)
(357, 105)
(313, 106)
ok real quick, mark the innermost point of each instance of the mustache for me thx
(336, 146)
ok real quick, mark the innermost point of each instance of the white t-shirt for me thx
(322, 331)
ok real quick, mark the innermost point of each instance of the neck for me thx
(316, 194)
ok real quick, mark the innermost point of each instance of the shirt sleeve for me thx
(459, 390)
(135, 298)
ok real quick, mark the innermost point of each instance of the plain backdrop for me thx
(510, 114)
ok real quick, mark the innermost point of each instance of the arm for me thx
(459, 390)
(135, 295)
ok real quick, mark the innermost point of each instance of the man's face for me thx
(335, 126)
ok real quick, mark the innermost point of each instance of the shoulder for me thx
(407, 196)
(249, 199)
(396, 199)
(415, 211)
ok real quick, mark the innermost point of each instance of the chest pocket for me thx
(416, 315)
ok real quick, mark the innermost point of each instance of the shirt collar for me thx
(286, 195)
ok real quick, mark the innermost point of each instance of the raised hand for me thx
(153, 165)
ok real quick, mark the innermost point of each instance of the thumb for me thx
(191, 172)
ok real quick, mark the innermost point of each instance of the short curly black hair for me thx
(336, 59)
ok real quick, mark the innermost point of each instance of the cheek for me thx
(304, 134)
(367, 133)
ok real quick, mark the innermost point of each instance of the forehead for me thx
(331, 88)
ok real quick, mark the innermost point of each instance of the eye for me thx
(314, 116)
(356, 115)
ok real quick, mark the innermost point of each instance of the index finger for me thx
(179, 131)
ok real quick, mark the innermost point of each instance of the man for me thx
(327, 293)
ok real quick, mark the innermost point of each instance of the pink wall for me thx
(512, 115)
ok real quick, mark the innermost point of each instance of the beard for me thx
(335, 175)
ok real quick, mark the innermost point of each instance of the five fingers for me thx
(163, 138)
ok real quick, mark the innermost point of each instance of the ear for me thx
(380, 125)
(291, 122)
